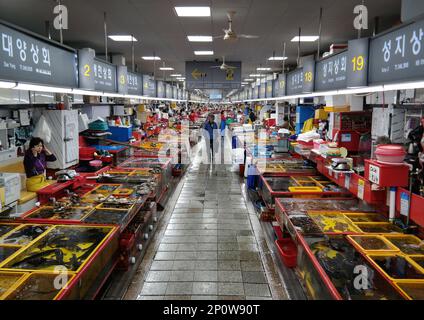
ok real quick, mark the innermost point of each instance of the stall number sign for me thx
(361, 187)
(332, 73)
(347, 181)
(295, 82)
(374, 174)
(134, 84)
(398, 55)
(404, 204)
(24, 58)
(104, 76)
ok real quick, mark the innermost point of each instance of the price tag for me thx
(347, 181)
(374, 174)
(404, 204)
(361, 185)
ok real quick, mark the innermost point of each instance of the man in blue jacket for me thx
(210, 133)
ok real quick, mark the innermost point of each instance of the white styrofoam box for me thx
(94, 112)
(12, 185)
(380, 123)
(336, 100)
(355, 102)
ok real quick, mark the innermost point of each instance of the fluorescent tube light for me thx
(166, 68)
(123, 38)
(203, 53)
(404, 86)
(151, 58)
(277, 58)
(175, 75)
(263, 69)
(193, 11)
(87, 92)
(32, 87)
(200, 38)
(256, 75)
(305, 39)
(7, 85)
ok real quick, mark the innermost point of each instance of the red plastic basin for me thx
(288, 251)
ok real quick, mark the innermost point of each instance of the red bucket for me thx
(288, 251)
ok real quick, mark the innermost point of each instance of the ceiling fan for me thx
(230, 34)
(223, 66)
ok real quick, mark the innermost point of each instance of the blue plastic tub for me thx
(122, 134)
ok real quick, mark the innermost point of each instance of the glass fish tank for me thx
(6, 252)
(8, 280)
(23, 235)
(338, 258)
(67, 246)
(397, 266)
(51, 213)
(408, 244)
(378, 228)
(304, 205)
(373, 243)
(414, 290)
(103, 216)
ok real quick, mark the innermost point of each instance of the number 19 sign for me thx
(357, 71)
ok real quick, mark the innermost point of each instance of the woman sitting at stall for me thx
(35, 162)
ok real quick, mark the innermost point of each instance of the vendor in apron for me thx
(35, 163)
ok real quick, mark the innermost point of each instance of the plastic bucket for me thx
(288, 251)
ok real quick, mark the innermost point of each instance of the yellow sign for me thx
(230, 74)
(196, 74)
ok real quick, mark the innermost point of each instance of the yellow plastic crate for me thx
(408, 244)
(378, 227)
(413, 290)
(372, 244)
(359, 217)
(9, 281)
(333, 222)
(411, 270)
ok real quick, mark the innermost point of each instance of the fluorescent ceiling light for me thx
(256, 75)
(263, 69)
(151, 58)
(249, 79)
(305, 39)
(7, 85)
(175, 75)
(277, 58)
(200, 38)
(404, 86)
(87, 92)
(123, 38)
(203, 53)
(32, 87)
(193, 11)
(166, 68)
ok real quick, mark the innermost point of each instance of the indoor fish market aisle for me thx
(210, 247)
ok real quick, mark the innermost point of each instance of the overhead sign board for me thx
(25, 58)
(160, 89)
(262, 90)
(308, 74)
(280, 85)
(206, 75)
(104, 76)
(122, 78)
(149, 86)
(168, 91)
(135, 84)
(357, 61)
(295, 82)
(174, 93)
(331, 72)
(269, 88)
(397, 56)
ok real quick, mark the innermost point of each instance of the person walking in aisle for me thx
(210, 133)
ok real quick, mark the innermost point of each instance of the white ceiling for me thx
(158, 29)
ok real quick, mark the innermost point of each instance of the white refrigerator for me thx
(64, 142)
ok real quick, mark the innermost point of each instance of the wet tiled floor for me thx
(208, 249)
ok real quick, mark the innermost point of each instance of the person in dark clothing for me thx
(252, 116)
(210, 133)
(35, 163)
